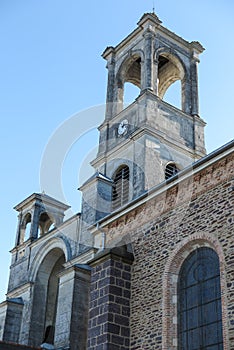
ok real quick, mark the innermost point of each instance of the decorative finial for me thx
(153, 7)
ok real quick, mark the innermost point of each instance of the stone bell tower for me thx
(150, 140)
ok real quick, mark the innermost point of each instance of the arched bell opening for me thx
(45, 223)
(129, 81)
(171, 80)
(45, 298)
(25, 228)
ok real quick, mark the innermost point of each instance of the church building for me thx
(148, 263)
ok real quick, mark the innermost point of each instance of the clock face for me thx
(123, 127)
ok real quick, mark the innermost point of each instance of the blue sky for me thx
(51, 68)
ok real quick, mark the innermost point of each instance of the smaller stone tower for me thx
(38, 215)
(40, 212)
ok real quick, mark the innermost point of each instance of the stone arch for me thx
(170, 69)
(46, 266)
(169, 287)
(45, 249)
(117, 164)
(129, 72)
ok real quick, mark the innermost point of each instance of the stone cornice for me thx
(20, 290)
(117, 253)
(83, 258)
(153, 21)
(41, 197)
(191, 181)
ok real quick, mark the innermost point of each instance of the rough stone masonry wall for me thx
(163, 232)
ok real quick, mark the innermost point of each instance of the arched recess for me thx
(170, 286)
(170, 70)
(129, 72)
(120, 192)
(45, 294)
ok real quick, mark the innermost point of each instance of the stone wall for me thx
(163, 231)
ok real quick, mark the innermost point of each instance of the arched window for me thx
(171, 169)
(120, 193)
(199, 302)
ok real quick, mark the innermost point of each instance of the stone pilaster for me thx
(72, 311)
(110, 88)
(13, 318)
(110, 300)
(194, 87)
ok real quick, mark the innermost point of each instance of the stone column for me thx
(148, 62)
(194, 87)
(186, 95)
(110, 294)
(72, 311)
(35, 222)
(155, 76)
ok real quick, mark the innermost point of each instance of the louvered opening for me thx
(120, 194)
(170, 170)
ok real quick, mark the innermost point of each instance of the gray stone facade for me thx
(107, 278)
